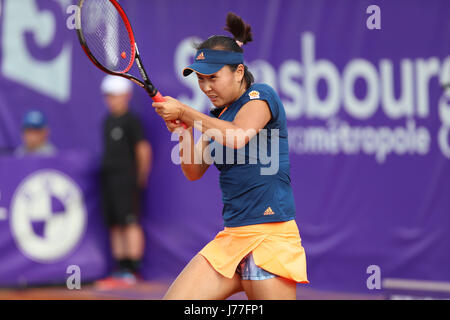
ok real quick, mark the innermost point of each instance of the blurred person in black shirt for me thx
(125, 168)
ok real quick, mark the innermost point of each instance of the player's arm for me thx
(250, 119)
(195, 158)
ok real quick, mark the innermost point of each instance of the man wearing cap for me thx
(35, 136)
(125, 167)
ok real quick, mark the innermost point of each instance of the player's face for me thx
(118, 103)
(222, 87)
(34, 138)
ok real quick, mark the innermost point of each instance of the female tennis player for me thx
(259, 250)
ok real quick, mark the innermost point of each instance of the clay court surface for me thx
(149, 291)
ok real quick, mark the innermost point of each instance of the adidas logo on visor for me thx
(201, 56)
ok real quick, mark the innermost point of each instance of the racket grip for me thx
(159, 98)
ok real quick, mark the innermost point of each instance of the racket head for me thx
(106, 36)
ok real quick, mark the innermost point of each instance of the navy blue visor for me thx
(209, 61)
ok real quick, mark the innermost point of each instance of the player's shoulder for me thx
(263, 87)
(260, 90)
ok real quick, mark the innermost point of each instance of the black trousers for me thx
(120, 198)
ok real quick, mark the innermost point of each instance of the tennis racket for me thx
(108, 40)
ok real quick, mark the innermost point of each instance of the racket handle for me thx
(159, 98)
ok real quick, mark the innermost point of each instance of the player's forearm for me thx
(192, 162)
(224, 132)
(186, 145)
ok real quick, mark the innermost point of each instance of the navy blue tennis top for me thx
(255, 180)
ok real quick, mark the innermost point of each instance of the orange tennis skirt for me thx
(276, 248)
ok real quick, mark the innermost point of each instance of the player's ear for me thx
(239, 73)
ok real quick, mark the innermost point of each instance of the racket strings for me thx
(106, 35)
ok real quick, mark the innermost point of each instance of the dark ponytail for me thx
(241, 32)
(238, 28)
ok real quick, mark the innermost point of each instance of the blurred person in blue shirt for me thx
(35, 136)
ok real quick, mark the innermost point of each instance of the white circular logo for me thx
(48, 216)
(117, 133)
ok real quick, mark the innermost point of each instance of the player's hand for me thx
(175, 126)
(171, 109)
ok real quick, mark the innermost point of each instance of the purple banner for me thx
(368, 127)
(50, 220)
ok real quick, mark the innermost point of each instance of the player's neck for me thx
(242, 90)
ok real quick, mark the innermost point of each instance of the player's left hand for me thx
(175, 126)
(169, 110)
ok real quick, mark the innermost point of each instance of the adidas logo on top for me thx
(268, 211)
(201, 56)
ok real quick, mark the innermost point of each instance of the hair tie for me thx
(239, 43)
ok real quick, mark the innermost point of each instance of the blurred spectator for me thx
(35, 136)
(125, 165)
